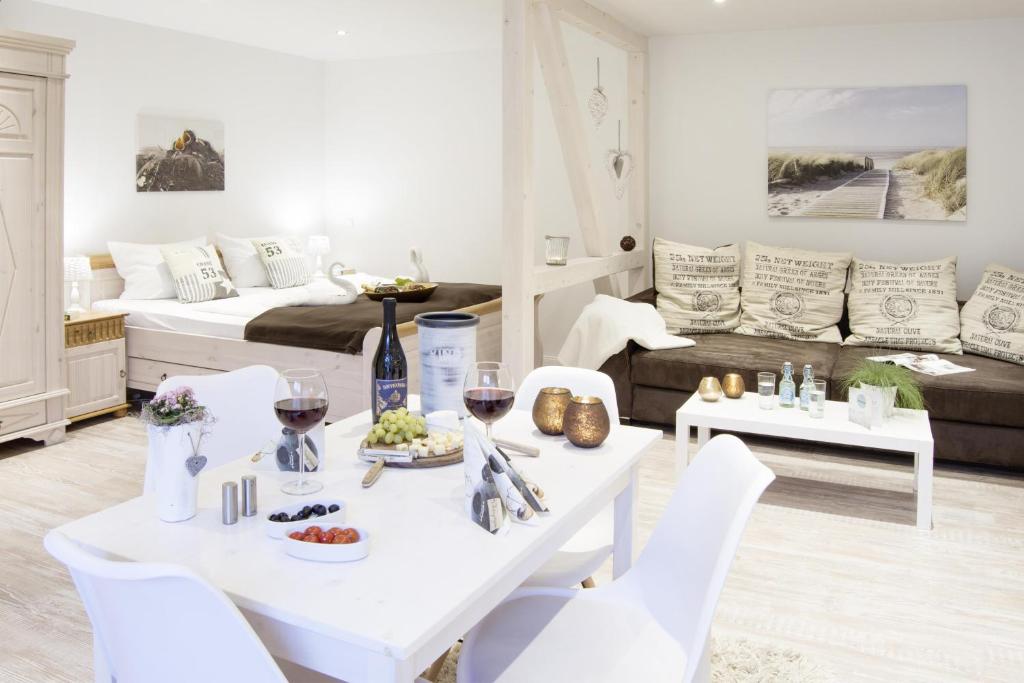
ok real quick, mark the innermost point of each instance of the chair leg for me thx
(703, 673)
(588, 582)
(432, 672)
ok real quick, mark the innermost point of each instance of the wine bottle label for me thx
(390, 394)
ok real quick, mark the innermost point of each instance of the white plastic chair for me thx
(242, 401)
(585, 552)
(654, 622)
(162, 623)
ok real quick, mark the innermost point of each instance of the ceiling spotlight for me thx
(719, 2)
(343, 32)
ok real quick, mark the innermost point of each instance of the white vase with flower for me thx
(176, 424)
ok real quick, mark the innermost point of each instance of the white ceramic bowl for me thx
(323, 552)
(280, 529)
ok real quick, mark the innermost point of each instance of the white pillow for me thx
(284, 260)
(143, 269)
(243, 264)
(198, 274)
(992, 322)
(698, 288)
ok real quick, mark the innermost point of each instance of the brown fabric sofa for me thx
(976, 417)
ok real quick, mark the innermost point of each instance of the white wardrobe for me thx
(32, 372)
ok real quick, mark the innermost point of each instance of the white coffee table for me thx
(908, 431)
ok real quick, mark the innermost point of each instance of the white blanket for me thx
(607, 324)
(256, 300)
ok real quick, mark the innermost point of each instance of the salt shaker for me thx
(229, 502)
(248, 495)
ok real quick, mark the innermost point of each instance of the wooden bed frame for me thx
(155, 355)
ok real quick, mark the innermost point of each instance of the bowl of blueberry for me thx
(323, 511)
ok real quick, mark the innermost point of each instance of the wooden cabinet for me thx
(32, 370)
(96, 365)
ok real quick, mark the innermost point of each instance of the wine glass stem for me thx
(487, 427)
(302, 458)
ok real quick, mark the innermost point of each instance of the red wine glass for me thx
(489, 392)
(300, 403)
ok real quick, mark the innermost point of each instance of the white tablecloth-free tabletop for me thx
(908, 431)
(431, 573)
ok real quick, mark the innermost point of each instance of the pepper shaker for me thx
(229, 502)
(248, 495)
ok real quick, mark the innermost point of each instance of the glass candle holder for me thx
(549, 409)
(586, 422)
(556, 250)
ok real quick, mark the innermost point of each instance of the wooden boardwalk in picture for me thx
(862, 197)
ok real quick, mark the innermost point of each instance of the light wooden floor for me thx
(831, 564)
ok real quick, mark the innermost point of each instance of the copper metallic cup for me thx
(586, 422)
(732, 385)
(549, 409)
(709, 389)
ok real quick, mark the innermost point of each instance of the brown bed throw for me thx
(342, 328)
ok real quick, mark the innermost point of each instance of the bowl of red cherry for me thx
(327, 544)
(324, 513)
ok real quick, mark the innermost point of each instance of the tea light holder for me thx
(586, 423)
(556, 250)
(709, 389)
(733, 386)
(549, 409)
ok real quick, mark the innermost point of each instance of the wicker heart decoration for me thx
(195, 464)
(620, 166)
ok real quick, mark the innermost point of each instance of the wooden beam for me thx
(587, 269)
(565, 109)
(517, 243)
(586, 17)
(636, 93)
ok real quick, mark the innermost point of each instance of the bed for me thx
(166, 338)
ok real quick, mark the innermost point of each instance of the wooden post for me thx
(517, 317)
(636, 90)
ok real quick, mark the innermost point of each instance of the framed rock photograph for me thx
(179, 154)
(870, 153)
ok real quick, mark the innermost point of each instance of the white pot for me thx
(888, 399)
(176, 487)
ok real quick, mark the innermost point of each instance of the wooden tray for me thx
(412, 296)
(450, 458)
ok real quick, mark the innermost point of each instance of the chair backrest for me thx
(581, 381)
(162, 623)
(683, 568)
(241, 402)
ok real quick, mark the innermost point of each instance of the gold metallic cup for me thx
(709, 389)
(549, 409)
(732, 385)
(586, 422)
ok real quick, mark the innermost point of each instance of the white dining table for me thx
(431, 574)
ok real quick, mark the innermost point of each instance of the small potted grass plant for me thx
(176, 423)
(898, 384)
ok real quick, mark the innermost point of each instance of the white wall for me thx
(708, 120)
(413, 158)
(271, 105)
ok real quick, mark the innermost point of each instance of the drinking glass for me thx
(816, 407)
(300, 403)
(488, 392)
(766, 390)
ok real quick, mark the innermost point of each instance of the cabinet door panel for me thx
(22, 237)
(96, 377)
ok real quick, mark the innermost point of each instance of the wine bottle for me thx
(389, 386)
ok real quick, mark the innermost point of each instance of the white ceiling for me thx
(669, 17)
(383, 28)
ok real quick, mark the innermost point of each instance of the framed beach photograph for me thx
(869, 153)
(179, 154)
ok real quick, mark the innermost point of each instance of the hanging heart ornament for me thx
(195, 464)
(620, 167)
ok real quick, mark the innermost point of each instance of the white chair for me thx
(654, 622)
(585, 552)
(161, 622)
(241, 401)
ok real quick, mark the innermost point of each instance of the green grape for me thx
(372, 438)
(389, 438)
(409, 436)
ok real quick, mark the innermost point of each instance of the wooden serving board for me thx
(449, 458)
(416, 296)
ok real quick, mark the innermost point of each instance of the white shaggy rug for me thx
(732, 661)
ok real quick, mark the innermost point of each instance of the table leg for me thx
(625, 525)
(924, 459)
(682, 446)
(703, 435)
(917, 460)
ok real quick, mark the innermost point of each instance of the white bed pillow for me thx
(143, 269)
(284, 260)
(198, 274)
(244, 265)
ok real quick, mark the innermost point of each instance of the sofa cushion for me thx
(991, 395)
(993, 320)
(718, 354)
(698, 288)
(904, 305)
